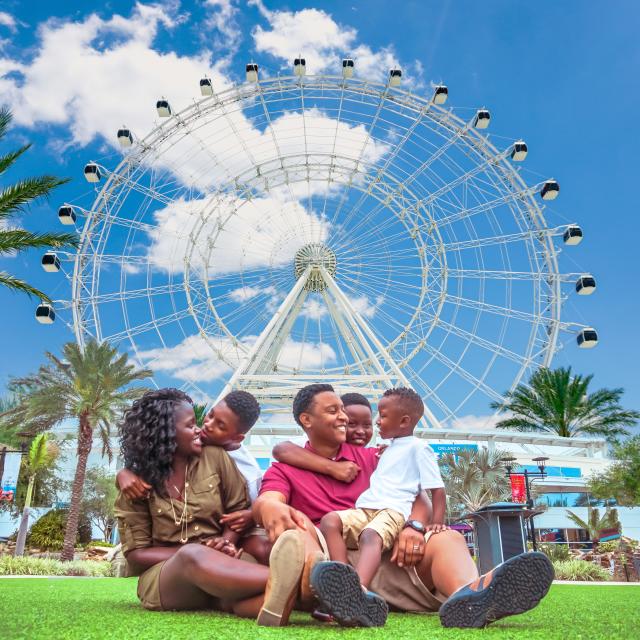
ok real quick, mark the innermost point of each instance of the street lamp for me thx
(529, 476)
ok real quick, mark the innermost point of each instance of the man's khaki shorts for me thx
(401, 587)
(387, 523)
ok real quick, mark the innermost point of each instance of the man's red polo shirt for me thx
(316, 494)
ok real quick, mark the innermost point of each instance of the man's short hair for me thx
(349, 399)
(410, 401)
(304, 398)
(245, 406)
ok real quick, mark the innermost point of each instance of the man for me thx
(431, 572)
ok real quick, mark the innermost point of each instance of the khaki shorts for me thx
(387, 523)
(401, 587)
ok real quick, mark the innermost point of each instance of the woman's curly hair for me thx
(148, 435)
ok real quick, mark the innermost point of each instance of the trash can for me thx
(500, 532)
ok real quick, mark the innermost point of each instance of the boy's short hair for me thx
(349, 399)
(304, 398)
(245, 406)
(410, 401)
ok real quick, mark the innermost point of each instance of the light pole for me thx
(529, 476)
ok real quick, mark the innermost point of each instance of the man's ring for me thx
(416, 547)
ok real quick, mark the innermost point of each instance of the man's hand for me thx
(408, 549)
(238, 521)
(437, 527)
(223, 545)
(344, 471)
(278, 517)
(132, 486)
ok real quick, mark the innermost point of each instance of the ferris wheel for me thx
(322, 228)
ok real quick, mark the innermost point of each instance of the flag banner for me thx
(518, 489)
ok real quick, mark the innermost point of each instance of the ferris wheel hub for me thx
(315, 255)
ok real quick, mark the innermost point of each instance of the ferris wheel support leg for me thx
(269, 335)
(357, 321)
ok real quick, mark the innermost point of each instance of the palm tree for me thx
(42, 454)
(473, 479)
(89, 385)
(554, 401)
(594, 523)
(201, 413)
(15, 199)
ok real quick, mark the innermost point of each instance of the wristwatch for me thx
(416, 525)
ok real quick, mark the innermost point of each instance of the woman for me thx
(174, 539)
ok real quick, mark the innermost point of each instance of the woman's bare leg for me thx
(196, 573)
(447, 564)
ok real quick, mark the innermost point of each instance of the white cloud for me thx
(254, 233)
(364, 306)
(242, 294)
(315, 35)
(198, 360)
(7, 20)
(223, 19)
(475, 423)
(314, 309)
(95, 75)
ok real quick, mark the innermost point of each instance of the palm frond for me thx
(15, 284)
(5, 120)
(18, 196)
(17, 240)
(7, 160)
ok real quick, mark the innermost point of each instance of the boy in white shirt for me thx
(407, 466)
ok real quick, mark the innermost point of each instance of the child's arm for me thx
(131, 485)
(439, 500)
(289, 453)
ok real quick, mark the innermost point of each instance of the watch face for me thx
(416, 524)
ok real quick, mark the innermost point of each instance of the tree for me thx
(9, 437)
(42, 454)
(15, 199)
(90, 385)
(594, 523)
(556, 402)
(473, 479)
(99, 497)
(622, 479)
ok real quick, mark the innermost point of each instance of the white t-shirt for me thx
(249, 469)
(407, 466)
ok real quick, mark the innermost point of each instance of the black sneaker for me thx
(513, 587)
(341, 595)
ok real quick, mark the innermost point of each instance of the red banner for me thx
(518, 490)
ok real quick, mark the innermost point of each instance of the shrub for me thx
(580, 570)
(27, 566)
(48, 531)
(608, 547)
(555, 552)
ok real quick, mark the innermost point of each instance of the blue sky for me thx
(560, 75)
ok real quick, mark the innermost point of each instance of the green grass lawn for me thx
(108, 608)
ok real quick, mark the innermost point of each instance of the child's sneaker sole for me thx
(339, 590)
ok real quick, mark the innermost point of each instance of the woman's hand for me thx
(437, 527)
(238, 521)
(223, 545)
(132, 486)
(344, 471)
(408, 549)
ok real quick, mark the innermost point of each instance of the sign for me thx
(442, 449)
(518, 488)
(10, 476)
(604, 535)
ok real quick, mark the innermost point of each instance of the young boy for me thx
(226, 426)
(406, 467)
